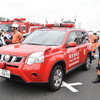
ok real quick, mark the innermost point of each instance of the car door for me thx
(73, 53)
(83, 45)
(80, 45)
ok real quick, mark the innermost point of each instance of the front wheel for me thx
(87, 63)
(56, 78)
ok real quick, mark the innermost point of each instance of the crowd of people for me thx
(10, 37)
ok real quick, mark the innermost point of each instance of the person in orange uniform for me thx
(94, 44)
(98, 68)
(16, 35)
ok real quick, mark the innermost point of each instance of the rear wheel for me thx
(87, 63)
(56, 78)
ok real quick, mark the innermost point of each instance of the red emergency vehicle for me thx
(46, 55)
(24, 26)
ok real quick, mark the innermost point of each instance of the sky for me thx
(86, 11)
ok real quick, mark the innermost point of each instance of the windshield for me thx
(5, 27)
(23, 28)
(45, 37)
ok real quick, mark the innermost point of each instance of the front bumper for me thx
(35, 73)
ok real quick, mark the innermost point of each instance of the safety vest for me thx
(99, 52)
(94, 42)
(99, 44)
(98, 72)
(94, 38)
(17, 37)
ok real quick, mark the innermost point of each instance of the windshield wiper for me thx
(33, 44)
(40, 44)
(50, 44)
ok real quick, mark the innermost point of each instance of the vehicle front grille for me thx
(11, 66)
(10, 58)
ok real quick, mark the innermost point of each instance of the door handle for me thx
(78, 49)
(85, 46)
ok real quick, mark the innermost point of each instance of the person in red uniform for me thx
(98, 68)
(16, 35)
(94, 44)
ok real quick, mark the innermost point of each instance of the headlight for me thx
(37, 57)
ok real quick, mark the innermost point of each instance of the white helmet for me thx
(15, 25)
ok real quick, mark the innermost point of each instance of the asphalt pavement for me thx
(12, 90)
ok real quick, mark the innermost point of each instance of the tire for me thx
(56, 78)
(87, 63)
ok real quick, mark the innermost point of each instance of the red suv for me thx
(46, 55)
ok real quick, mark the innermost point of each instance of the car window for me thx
(45, 37)
(72, 37)
(82, 37)
(86, 37)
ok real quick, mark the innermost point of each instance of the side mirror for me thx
(72, 44)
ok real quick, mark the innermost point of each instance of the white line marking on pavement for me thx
(69, 86)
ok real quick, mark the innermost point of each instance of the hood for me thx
(23, 49)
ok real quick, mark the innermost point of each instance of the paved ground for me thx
(10, 90)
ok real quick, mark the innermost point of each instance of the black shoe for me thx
(98, 67)
(97, 80)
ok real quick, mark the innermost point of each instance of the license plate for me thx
(5, 73)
